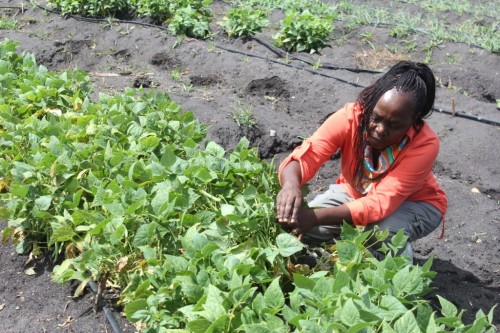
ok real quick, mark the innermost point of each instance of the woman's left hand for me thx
(306, 220)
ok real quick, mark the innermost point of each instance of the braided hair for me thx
(409, 77)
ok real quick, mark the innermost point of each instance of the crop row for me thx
(128, 191)
(308, 25)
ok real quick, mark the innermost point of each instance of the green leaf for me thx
(303, 282)
(143, 235)
(63, 233)
(227, 210)
(288, 244)
(273, 296)
(393, 305)
(407, 324)
(310, 326)
(256, 328)
(214, 149)
(341, 280)
(115, 208)
(43, 203)
(213, 305)
(134, 306)
(349, 314)
(408, 280)
(198, 325)
(447, 308)
(348, 252)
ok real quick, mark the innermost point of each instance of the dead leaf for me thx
(67, 322)
(30, 271)
(122, 264)
(474, 190)
(2, 306)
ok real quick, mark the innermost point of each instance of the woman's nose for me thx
(380, 130)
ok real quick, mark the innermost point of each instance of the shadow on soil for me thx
(463, 289)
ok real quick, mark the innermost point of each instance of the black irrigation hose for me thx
(107, 311)
(290, 65)
(468, 116)
(283, 53)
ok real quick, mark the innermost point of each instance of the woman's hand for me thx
(288, 202)
(307, 219)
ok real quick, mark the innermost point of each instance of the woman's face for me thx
(392, 117)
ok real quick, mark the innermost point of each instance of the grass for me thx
(7, 23)
(243, 115)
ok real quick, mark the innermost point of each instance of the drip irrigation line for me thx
(441, 110)
(468, 116)
(289, 65)
(283, 53)
(107, 311)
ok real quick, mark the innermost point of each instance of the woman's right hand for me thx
(288, 202)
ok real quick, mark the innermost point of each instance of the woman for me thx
(387, 154)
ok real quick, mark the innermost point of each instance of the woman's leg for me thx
(416, 218)
(334, 196)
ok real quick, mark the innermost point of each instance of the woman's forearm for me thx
(291, 175)
(332, 215)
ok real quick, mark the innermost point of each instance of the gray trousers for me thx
(416, 218)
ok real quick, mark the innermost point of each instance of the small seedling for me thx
(317, 64)
(175, 75)
(243, 115)
(187, 88)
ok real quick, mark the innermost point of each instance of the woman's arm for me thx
(289, 209)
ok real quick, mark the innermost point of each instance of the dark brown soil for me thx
(290, 102)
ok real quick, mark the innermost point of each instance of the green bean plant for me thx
(244, 21)
(304, 32)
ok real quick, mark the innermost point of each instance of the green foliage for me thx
(304, 32)
(130, 191)
(92, 8)
(7, 23)
(243, 115)
(158, 10)
(190, 22)
(244, 21)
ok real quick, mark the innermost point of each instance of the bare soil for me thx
(291, 101)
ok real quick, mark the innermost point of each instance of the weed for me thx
(243, 115)
(187, 88)
(176, 75)
(317, 64)
(452, 58)
(38, 33)
(7, 23)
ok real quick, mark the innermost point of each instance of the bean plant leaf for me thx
(288, 244)
(408, 281)
(407, 324)
(273, 296)
(447, 308)
(310, 326)
(43, 203)
(349, 313)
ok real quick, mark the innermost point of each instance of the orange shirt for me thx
(409, 178)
